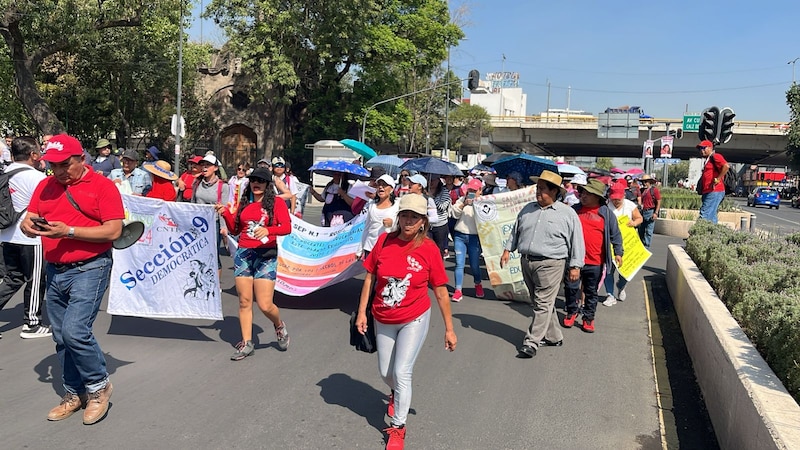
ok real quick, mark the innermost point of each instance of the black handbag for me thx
(363, 342)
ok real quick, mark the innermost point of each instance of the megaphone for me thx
(131, 232)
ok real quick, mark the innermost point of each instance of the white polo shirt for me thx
(21, 186)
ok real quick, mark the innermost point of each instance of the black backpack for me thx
(8, 216)
(731, 181)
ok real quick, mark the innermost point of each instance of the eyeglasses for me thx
(403, 175)
(240, 169)
(279, 165)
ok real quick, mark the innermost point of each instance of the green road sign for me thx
(691, 123)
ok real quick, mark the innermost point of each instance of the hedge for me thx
(759, 281)
(677, 198)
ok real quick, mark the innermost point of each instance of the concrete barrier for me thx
(747, 403)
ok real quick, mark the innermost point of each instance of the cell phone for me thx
(39, 221)
(470, 195)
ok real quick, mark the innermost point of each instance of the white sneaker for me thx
(622, 295)
(610, 301)
(36, 331)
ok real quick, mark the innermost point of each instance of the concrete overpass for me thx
(752, 142)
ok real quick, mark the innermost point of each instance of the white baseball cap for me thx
(386, 178)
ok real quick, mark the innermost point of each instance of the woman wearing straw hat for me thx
(163, 178)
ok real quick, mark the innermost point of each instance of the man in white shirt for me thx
(22, 256)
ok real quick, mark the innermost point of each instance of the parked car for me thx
(764, 196)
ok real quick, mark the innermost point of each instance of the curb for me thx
(747, 403)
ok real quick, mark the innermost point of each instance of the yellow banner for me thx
(495, 216)
(636, 255)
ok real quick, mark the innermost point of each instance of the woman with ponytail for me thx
(258, 221)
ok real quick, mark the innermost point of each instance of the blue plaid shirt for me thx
(140, 180)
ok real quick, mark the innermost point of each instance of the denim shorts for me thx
(255, 263)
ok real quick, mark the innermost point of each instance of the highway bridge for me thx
(752, 143)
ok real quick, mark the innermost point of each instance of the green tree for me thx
(468, 121)
(112, 69)
(678, 171)
(604, 163)
(793, 146)
(322, 65)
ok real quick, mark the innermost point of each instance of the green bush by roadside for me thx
(677, 198)
(759, 281)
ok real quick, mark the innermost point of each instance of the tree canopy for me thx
(793, 146)
(92, 68)
(321, 65)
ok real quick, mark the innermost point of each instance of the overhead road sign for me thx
(691, 122)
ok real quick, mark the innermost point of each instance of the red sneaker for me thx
(390, 408)
(397, 437)
(457, 295)
(569, 320)
(588, 325)
(479, 291)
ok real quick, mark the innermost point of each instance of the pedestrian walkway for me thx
(174, 382)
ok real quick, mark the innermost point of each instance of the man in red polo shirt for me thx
(77, 213)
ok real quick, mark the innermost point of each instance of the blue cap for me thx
(154, 151)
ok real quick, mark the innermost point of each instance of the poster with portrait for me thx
(647, 149)
(666, 147)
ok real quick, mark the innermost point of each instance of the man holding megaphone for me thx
(78, 213)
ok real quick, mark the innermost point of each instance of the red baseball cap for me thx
(60, 147)
(195, 159)
(705, 143)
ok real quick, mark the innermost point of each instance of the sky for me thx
(666, 57)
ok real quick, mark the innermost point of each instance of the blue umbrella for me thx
(390, 163)
(527, 166)
(332, 166)
(429, 164)
(359, 147)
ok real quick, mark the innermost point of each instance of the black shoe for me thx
(526, 351)
(547, 343)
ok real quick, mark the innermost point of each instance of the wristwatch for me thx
(71, 232)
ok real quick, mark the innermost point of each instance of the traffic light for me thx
(725, 132)
(472, 81)
(708, 124)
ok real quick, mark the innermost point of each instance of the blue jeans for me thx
(398, 348)
(467, 244)
(711, 201)
(609, 281)
(590, 277)
(73, 298)
(647, 226)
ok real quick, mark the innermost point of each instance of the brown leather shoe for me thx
(97, 405)
(69, 404)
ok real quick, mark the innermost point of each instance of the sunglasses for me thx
(240, 169)
(258, 180)
(279, 165)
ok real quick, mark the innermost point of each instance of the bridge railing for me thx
(587, 119)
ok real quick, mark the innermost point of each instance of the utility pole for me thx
(792, 62)
(447, 111)
(180, 87)
(502, 79)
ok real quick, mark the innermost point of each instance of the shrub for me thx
(759, 281)
(676, 198)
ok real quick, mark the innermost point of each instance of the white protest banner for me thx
(171, 272)
(495, 216)
(313, 257)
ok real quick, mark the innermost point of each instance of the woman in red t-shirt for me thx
(258, 221)
(399, 269)
(163, 177)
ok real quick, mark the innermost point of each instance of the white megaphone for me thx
(131, 232)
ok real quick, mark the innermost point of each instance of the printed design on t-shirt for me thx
(252, 225)
(395, 290)
(413, 264)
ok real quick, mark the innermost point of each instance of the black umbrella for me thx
(496, 156)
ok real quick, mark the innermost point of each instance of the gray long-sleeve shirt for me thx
(552, 232)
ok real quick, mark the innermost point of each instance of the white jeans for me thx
(398, 347)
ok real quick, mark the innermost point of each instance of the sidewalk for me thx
(174, 381)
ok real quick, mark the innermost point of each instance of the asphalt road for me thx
(174, 385)
(784, 220)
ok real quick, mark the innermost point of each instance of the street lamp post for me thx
(180, 87)
(366, 113)
(792, 62)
